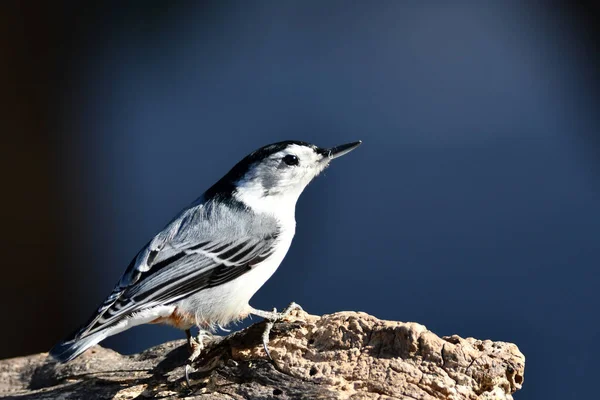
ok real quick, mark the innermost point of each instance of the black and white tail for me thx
(98, 328)
(71, 348)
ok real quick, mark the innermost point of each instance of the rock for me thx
(346, 355)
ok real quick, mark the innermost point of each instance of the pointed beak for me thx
(339, 151)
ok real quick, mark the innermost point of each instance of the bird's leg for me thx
(196, 347)
(190, 339)
(272, 317)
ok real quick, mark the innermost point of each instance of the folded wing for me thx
(182, 272)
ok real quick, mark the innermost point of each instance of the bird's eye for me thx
(291, 159)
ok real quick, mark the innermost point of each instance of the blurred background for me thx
(473, 206)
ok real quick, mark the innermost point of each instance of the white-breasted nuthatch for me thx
(204, 267)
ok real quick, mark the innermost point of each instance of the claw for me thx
(271, 317)
(265, 338)
(196, 347)
(288, 310)
(188, 368)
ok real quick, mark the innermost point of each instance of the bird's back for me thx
(189, 273)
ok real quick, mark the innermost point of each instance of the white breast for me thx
(228, 302)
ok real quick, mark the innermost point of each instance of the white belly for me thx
(228, 302)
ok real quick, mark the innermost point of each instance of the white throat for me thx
(282, 206)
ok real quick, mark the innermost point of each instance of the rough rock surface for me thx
(347, 355)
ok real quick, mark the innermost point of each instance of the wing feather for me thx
(208, 244)
(191, 269)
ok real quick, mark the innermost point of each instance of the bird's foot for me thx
(196, 346)
(272, 317)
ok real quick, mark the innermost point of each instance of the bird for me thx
(204, 267)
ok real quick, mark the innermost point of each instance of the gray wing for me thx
(202, 248)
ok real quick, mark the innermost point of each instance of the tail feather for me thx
(69, 349)
(81, 340)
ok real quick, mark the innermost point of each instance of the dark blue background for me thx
(472, 206)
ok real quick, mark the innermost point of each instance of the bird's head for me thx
(272, 178)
